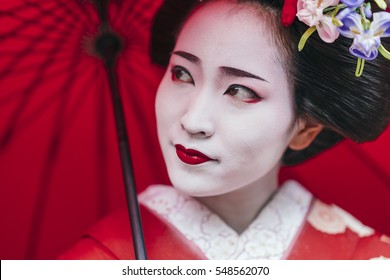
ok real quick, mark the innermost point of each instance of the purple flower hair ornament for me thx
(349, 18)
(353, 3)
(366, 36)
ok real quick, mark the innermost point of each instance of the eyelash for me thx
(176, 71)
(254, 97)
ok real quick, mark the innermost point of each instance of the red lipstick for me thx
(190, 156)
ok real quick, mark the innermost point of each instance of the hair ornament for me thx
(349, 18)
(289, 11)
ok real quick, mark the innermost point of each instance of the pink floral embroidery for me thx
(324, 219)
(334, 220)
(352, 223)
(385, 239)
(311, 13)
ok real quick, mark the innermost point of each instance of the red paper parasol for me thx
(59, 160)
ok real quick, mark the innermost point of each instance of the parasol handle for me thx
(127, 167)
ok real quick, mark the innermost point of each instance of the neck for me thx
(240, 207)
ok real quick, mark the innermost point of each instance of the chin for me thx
(196, 188)
(188, 187)
(192, 187)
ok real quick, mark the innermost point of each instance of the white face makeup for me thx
(224, 109)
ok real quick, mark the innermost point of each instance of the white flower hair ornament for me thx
(349, 18)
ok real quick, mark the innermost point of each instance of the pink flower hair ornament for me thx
(349, 18)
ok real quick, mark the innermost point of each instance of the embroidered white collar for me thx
(269, 236)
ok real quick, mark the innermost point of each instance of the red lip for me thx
(190, 156)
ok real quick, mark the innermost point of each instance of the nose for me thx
(198, 119)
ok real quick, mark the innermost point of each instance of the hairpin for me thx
(350, 18)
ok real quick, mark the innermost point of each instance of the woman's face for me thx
(224, 108)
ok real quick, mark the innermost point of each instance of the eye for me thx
(243, 94)
(181, 74)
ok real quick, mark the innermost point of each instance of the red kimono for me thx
(293, 225)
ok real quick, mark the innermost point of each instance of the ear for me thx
(307, 132)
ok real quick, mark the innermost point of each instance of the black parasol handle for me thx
(127, 168)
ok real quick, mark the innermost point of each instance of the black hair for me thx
(325, 87)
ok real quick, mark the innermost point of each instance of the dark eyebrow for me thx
(227, 70)
(240, 73)
(187, 56)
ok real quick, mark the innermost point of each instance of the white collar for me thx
(269, 236)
